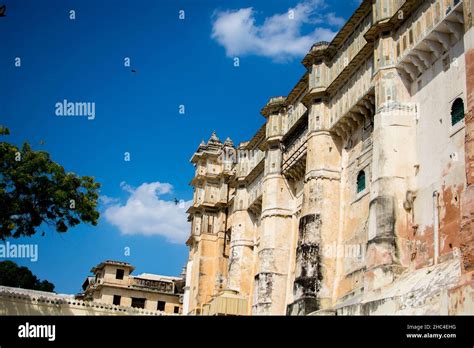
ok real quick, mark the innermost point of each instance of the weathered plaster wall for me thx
(440, 160)
(352, 241)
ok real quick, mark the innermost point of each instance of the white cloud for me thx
(106, 200)
(334, 20)
(280, 36)
(145, 213)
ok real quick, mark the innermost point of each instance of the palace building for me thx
(356, 196)
(114, 284)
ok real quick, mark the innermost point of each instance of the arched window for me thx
(457, 111)
(360, 181)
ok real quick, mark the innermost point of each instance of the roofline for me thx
(112, 263)
(331, 48)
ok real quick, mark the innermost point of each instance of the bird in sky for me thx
(176, 202)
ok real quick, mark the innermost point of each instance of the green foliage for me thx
(21, 277)
(4, 131)
(35, 190)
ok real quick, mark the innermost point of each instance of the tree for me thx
(21, 277)
(35, 190)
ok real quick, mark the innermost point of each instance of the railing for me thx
(255, 192)
(295, 146)
(157, 285)
(294, 156)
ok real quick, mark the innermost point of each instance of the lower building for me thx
(113, 284)
(17, 301)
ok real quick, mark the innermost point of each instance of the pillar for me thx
(319, 222)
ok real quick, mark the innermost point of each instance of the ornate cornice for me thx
(274, 105)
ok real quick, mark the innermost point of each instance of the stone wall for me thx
(15, 301)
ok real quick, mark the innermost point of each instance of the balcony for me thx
(350, 95)
(257, 157)
(384, 9)
(296, 112)
(360, 114)
(255, 197)
(448, 29)
(215, 196)
(246, 164)
(294, 167)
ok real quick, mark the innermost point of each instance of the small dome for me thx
(214, 138)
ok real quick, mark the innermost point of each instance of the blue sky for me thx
(186, 62)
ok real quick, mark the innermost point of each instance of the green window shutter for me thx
(457, 111)
(360, 181)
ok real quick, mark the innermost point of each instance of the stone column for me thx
(273, 250)
(319, 222)
(272, 264)
(393, 163)
(241, 247)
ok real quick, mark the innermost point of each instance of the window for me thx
(138, 302)
(457, 111)
(119, 274)
(161, 305)
(117, 299)
(176, 309)
(360, 181)
(317, 76)
(210, 224)
(228, 236)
